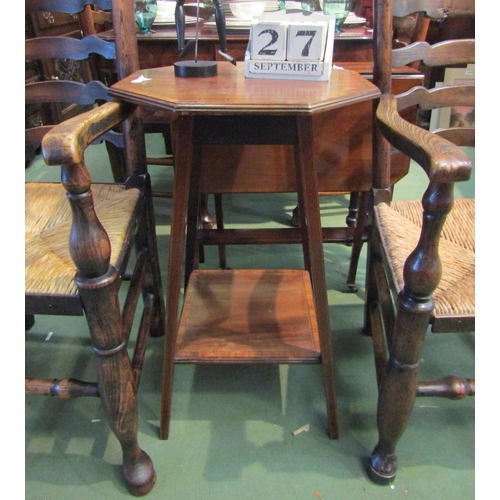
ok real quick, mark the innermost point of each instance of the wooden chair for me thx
(421, 253)
(82, 69)
(79, 237)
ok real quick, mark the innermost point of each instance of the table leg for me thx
(308, 198)
(182, 133)
(195, 208)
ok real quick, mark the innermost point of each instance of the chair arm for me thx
(442, 160)
(64, 145)
(67, 141)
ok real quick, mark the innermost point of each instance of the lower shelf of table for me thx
(248, 316)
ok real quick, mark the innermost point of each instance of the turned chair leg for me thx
(146, 238)
(117, 160)
(115, 380)
(219, 218)
(357, 219)
(352, 215)
(207, 221)
(399, 383)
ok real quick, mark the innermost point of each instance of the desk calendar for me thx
(290, 45)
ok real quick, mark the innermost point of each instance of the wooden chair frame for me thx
(99, 274)
(398, 315)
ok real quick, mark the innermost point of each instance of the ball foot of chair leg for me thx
(140, 475)
(382, 469)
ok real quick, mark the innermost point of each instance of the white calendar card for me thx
(290, 44)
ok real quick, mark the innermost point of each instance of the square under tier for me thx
(236, 316)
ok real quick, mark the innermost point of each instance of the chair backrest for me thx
(445, 54)
(86, 91)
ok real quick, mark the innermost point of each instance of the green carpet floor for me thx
(231, 429)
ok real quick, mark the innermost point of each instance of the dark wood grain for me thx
(255, 316)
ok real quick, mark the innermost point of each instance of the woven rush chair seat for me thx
(400, 225)
(49, 268)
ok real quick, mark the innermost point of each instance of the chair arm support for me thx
(64, 145)
(67, 141)
(442, 160)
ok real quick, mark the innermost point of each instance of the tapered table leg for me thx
(308, 198)
(182, 128)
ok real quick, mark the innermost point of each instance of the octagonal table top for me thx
(229, 92)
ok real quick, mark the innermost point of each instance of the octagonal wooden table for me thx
(244, 316)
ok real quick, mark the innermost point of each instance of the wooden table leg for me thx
(182, 132)
(308, 197)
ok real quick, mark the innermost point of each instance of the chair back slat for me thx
(67, 47)
(60, 91)
(464, 137)
(444, 53)
(457, 95)
(33, 136)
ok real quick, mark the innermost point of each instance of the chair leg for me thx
(398, 387)
(117, 162)
(352, 215)
(359, 232)
(207, 221)
(399, 382)
(146, 238)
(295, 222)
(115, 380)
(219, 219)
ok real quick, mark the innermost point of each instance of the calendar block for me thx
(290, 44)
(268, 40)
(306, 41)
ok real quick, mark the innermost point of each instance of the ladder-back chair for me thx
(421, 256)
(79, 237)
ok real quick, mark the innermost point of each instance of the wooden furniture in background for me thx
(79, 235)
(230, 109)
(160, 48)
(421, 272)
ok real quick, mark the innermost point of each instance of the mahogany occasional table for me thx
(244, 316)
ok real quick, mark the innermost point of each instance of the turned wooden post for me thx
(97, 283)
(398, 389)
